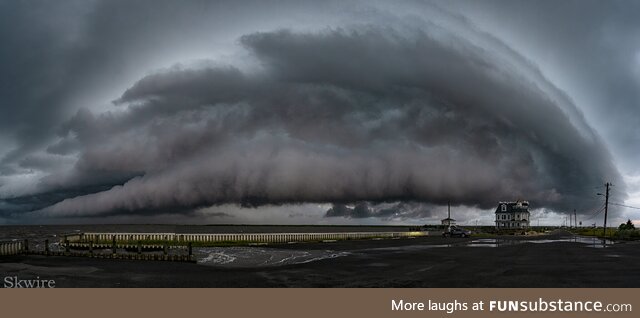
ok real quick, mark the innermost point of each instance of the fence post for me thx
(91, 248)
(66, 247)
(139, 247)
(46, 247)
(165, 249)
(113, 245)
(189, 246)
(25, 248)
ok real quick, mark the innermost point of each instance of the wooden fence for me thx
(238, 237)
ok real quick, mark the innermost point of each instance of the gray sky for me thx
(347, 112)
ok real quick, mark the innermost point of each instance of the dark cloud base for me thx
(400, 114)
(344, 115)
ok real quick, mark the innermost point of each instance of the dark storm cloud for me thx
(592, 46)
(363, 113)
(57, 56)
(403, 107)
(51, 54)
(31, 85)
(361, 210)
(15, 207)
(388, 211)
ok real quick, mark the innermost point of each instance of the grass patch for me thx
(627, 235)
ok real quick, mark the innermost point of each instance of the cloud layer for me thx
(353, 111)
(360, 113)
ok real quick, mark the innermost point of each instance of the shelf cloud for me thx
(366, 110)
(341, 115)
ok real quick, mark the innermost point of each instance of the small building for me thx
(448, 222)
(513, 215)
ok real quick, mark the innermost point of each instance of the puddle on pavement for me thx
(409, 247)
(260, 257)
(496, 242)
(588, 241)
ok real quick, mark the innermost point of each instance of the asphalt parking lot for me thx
(556, 260)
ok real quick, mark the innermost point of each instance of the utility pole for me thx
(606, 208)
(570, 221)
(575, 221)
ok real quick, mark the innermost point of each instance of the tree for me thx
(627, 226)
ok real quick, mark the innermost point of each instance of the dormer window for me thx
(504, 208)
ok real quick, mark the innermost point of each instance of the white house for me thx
(448, 221)
(513, 215)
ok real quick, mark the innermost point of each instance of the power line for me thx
(595, 214)
(579, 190)
(591, 199)
(615, 193)
(626, 206)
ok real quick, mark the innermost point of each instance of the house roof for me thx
(448, 219)
(513, 207)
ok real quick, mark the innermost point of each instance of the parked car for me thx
(454, 231)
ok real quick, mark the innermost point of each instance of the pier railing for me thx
(181, 253)
(173, 246)
(238, 237)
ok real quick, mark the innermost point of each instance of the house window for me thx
(504, 208)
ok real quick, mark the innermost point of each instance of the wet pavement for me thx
(556, 260)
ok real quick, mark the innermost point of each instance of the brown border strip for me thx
(312, 302)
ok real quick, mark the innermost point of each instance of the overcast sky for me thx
(309, 112)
